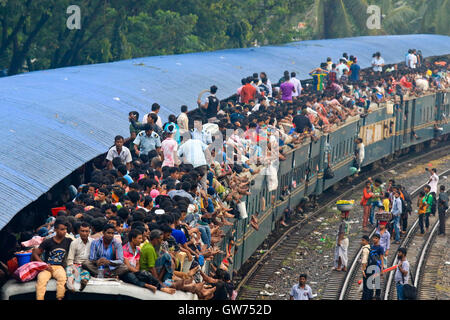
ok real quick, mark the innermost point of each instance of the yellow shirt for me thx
(386, 204)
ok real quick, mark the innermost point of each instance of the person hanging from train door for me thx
(359, 153)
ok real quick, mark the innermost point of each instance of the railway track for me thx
(431, 259)
(350, 289)
(263, 269)
(424, 281)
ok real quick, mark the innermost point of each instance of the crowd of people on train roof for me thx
(154, 213)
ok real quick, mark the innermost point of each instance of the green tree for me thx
(341, 18)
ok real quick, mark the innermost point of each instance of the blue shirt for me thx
(396, 207)
(354, 68)
(385, 240)
(179, 236)
(113, 253)
(128, 178)
(146, 143)
(299, 293)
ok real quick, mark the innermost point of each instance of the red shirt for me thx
(248, 93)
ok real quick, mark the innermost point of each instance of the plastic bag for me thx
(29, 271)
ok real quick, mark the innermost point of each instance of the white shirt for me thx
(158, 122)
(79, 251)
(203, 136)
(299, 293)
(422, 84)
(434, 182)
(340, 70)
(125, 155)
(377, 64)
(193, 152)
(398, 275)
(361, 152)
(412, 61)
(297, 85)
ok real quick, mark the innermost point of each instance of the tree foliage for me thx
(345, 18)
(34, 35)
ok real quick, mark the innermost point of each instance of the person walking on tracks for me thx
(385, 238)
(301, 291)
(372, 263)
(397, 212)
(442, 208)
(401, 276)
(433, 183)
(365, 202)
(408, 208)
(429, 200)
(422, 205)
(340, 253)
(376, 198)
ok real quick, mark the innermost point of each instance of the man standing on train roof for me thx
(147, 141)
(155, 110)
(211, 105)
(377, 62)
(120, 151)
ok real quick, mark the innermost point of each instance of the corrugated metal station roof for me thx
(54, 121)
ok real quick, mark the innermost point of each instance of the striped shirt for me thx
(318, 79)
(385, 240)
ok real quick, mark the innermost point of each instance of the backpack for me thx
(407, 200)
(433, 202)
(409, 292)
(374, 258)
(404, 206)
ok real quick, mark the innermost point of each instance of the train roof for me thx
(54, 121)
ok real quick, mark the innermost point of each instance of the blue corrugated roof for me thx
(54, 121)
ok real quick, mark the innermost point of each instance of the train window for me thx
(350, 146)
